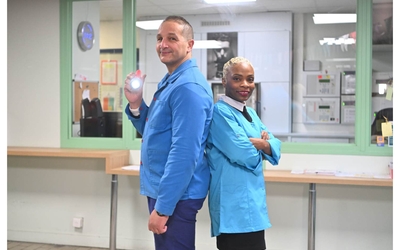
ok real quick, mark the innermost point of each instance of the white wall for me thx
(33, 84)
(44, 194)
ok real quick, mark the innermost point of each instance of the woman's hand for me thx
(262, 143)
(264, 135)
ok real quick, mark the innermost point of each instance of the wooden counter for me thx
(113, 158)
(116, 159)
(287, 176)
(120, 171)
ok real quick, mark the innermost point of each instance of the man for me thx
(174, 173)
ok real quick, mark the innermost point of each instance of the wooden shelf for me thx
(113, 158)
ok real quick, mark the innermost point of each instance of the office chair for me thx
(92, 122)
(379, 118)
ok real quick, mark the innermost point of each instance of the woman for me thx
(238, 143)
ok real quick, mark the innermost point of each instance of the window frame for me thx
(128, 140)
(362, 145)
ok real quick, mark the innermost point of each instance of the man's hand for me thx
(157, 224)
(134, 97)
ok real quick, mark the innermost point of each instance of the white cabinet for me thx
(276, 106)
(270, 54)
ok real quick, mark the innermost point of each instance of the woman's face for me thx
(239, 82)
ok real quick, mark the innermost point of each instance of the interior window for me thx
(326, 106)
(382, 75)
(97, 70)
(323, 92)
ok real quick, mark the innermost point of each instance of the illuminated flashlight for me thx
(136, 82)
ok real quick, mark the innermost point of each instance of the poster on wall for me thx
(217, 57)
(109, 72)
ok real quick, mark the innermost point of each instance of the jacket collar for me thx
(171, 78)
(237, 105)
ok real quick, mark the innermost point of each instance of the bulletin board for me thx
(83, 89)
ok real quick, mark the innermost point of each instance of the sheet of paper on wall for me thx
(389, 93)
(86, 94)
(80, 77)
(386, 129)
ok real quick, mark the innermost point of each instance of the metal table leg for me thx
(311, 216)
(113, 217)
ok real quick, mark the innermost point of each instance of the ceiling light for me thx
(337, 41)
(208, 44)
(228, 1)
(149, 25)
(334, 18)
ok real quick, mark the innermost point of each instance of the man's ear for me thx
(224, 82)
(190, 45)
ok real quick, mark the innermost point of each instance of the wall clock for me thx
(85, 35)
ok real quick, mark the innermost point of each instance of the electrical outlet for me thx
(77, 222)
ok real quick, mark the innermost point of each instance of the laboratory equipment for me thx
(321, 110)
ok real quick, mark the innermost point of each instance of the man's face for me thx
(239, 82)
(173, 48)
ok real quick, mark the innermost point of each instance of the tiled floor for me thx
(17, 245)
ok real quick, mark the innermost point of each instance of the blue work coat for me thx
(174, 131)
(237, 196)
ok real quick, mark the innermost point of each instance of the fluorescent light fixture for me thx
(334, 18)
(337, 41)
(208, 44)
(228, 1)
(340, 59)
(149, 25)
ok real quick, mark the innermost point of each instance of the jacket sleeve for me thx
(275, 145)
(138, 122)
(231, 140)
